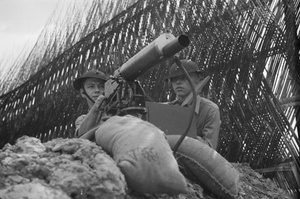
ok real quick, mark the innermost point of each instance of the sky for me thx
(21, 22)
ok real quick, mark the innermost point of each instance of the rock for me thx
(74, 166)
(32, 191)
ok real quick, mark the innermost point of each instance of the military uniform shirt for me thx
(207, 117)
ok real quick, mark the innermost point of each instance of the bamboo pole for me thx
(293, 99)
(291, 104)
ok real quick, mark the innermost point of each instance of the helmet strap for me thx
(85, 93)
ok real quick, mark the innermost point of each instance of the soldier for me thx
(207, 113)
(91, 87)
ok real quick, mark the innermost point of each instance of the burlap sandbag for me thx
(206, 167)
(142, 152)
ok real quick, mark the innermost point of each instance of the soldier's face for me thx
(93, 87)
(181, 86)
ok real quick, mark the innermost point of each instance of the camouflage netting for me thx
(246, 47)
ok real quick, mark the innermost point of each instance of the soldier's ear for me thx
(195, 78)
(82, 92)
(201, 77)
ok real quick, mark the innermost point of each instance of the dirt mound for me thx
(77, 168)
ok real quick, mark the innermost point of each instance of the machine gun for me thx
(123, 92)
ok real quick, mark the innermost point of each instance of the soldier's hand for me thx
(99, 103)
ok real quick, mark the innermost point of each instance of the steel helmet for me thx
(89, 74)
(189, 66)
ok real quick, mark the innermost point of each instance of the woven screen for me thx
(241, 44)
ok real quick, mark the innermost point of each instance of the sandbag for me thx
(205, 166)
(143, 154)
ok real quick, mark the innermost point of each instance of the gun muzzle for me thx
(165, 46)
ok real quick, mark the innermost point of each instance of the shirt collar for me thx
(197, 107)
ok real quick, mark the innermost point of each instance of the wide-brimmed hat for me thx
(189, 66)
(89, 74)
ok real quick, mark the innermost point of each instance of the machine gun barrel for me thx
(165, 46)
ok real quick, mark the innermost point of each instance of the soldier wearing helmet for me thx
(207, 113)
(91, 87)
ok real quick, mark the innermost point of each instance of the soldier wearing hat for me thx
(91, 87)
(207, 113)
